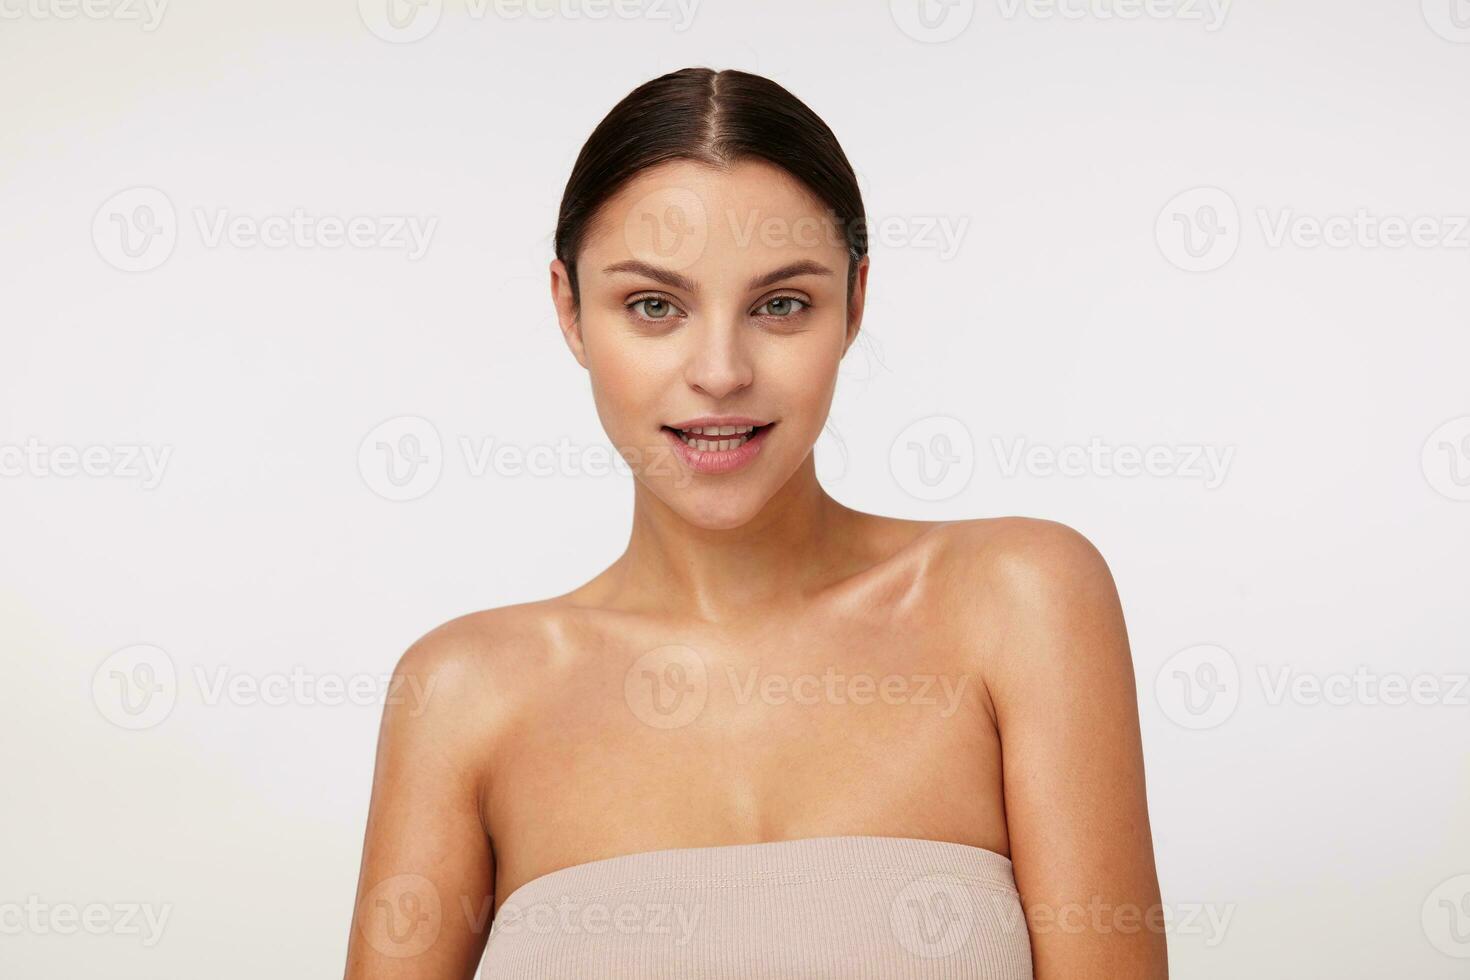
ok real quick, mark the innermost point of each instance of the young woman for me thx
(777, 737)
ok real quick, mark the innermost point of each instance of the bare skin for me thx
(964, 681)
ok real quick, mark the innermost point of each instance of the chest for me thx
(647, 739)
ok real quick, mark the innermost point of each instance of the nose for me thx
(719, 364)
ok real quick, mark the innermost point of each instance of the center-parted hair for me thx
(717, 118)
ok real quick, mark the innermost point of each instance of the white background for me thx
(1334, 542)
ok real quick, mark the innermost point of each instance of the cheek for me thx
(803, 369)
(626, 377)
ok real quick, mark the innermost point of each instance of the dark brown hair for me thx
(714, 117)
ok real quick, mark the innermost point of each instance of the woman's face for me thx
(717, 296)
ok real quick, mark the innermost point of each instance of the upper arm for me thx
(1061, 682)
(427, 878)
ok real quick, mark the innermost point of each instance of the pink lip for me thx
(713, 462)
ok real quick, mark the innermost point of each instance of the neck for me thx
(795, 545)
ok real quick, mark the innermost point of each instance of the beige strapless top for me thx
(898, 908)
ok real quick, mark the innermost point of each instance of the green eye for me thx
(781, 307)
(655, 307)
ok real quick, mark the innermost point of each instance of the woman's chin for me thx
(721, 518)
(716, 510)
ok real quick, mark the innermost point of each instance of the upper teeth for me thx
(718, 430)
(733, 437)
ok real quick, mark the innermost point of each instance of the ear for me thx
(855, 307)
(566, 311)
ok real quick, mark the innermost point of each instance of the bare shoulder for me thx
(1025, 562)
(475, 645)
(1060, 681)
(466, 679)
(1037, 594)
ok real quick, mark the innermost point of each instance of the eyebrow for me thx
(805, 267)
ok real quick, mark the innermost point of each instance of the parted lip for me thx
(704, 420)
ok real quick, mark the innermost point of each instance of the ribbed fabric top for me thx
(899, 908)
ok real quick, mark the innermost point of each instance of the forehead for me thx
(713, 223)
